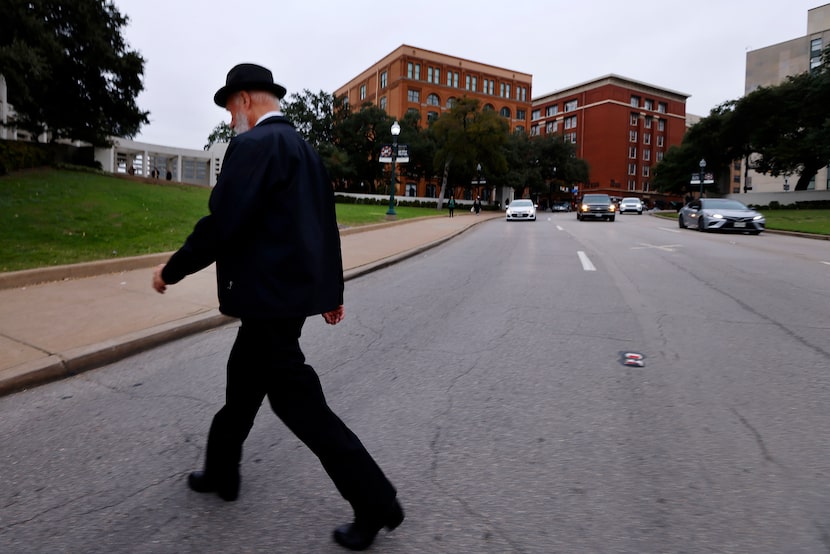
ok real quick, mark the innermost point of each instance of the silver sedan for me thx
(720, 214)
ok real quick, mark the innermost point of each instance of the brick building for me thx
(414, 79)
(620, 126)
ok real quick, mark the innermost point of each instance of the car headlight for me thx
(758, 218)
(716, 216)
(584, 207)
(612, 207)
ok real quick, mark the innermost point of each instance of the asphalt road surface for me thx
(487, 377)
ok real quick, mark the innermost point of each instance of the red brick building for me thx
(621, 127)
(414, 79)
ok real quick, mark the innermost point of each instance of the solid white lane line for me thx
(586, 263)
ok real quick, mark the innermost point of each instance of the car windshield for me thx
(596, 198)
(722, 204)
(521, 204)
(626, 200)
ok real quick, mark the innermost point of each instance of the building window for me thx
(433, 75)
(383, 79)
(534, 130)
(633, 119)
(552, 127)
(635, 101)
(411, 189)
(450, 102)
(632, 184)
(552, 110)
(535, 114)
(646, 171)
(504, 90)
(505, 112)
(650, 105)
(632, 136)
(432, 116)
(488, 107)
(570, 137)
(662, 107)
(413, 111)
(646, 138)
(649, 121)
(433, 100)
(521, 115)
(571, 105)
(363, 92)
(475, 84)
(383, 103)
(413, 71)
(815, 53)
(469, 78)
(521, 94)
(413, 95)
(632, 169)
(632, 152)
(521, 129)
(570, 122)
(646, 155)
(659, 156)
(660, 141)
(431, 191)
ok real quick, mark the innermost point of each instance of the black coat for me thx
(272, 229)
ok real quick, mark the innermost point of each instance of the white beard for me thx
(242, 124)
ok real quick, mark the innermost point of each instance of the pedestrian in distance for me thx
(451, 205)
(477, 205)
(272, 231)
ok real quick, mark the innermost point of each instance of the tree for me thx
(69, 70)
(360, 135)
(466, 136)
(220, 133)
(313, 115)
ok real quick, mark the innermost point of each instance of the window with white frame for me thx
(363, 92)
(521, 115)
(646, 138)
(632, 169)
(570, 122)
(661, 125)
(450, 102)
(662, 107)
(659, 156)
(649, 105)
(535, 114)
(571, 105)
(632, 136)
(648, 123)
(432, 116)
(413, 95)
(646, 155)
(635, 101)
(633, 119)
(552, 110)
(433, 100)
(646, 170)
(534, 130)
(413, 71)
(660, 141)
(632, 152)
(570, 137)
(505, 112)
(552, 127)
(383, 79)
(632, 184)
(382, 103)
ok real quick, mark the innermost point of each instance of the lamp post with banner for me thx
(396, 130)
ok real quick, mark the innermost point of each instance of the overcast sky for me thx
(695, 47)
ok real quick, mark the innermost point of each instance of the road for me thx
(487, 378)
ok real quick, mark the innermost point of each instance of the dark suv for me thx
(597, 206)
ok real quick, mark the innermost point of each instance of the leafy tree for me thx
(69, 70)
(466, 136)
(220, 133)
(360, 135)
(313, 115)
(781, 130)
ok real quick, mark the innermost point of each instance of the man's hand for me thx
(158, 282)
(335, 316)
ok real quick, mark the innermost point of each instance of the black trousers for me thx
(266, 360)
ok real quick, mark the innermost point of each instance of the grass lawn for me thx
(53, 217)
(802, 221)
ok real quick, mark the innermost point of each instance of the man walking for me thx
(273, 234)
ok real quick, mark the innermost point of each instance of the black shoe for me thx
(228, 489)
(360, 534)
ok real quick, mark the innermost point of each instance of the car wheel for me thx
(700, 225)
(755, 233)
(680, 222)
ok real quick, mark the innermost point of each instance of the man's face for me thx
(239, 118)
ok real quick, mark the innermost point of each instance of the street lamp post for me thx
(702, 170)
(396, 130)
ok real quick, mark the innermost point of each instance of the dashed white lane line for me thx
(560, 228)
(826, 263)
(586, 263)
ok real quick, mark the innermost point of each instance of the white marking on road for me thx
(670, 230)
(666, 247)
(826, 263)
(560, 228)
(586, 263)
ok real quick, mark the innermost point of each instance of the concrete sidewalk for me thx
(90, 315)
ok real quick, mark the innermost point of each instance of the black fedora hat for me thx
(247, 76)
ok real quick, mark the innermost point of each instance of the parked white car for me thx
(631, 205)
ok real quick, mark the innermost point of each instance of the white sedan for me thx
(521, 210)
